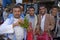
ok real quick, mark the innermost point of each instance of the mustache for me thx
(17, 14)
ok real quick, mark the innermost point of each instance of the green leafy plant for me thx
(25, 24)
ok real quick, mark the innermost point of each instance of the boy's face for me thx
(42, 10)
(54, 11)
(31, 11)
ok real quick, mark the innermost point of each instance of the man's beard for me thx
(42, 13)
(17, 17)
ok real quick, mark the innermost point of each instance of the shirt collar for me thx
(32, 16)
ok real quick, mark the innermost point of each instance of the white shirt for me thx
(5, 28)
(42, 22)
(19, 31)
(8, 28)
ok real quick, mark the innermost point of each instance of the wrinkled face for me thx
(42, 10)
(31, 11)
(54, 11)
(16, 12)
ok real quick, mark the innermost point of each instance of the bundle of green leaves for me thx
(25, 24)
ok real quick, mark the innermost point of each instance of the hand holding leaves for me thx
(25, 23)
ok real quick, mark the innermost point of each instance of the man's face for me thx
(16, 12)
(42, 10)
(54, 11)
(31, 11)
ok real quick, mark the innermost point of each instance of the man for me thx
(22, 11)
(45, 21)
(55, 13)
(12, 27)
(32, 18)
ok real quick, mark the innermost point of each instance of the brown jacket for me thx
(49, 23)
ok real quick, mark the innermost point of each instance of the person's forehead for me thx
(55, 8)
(31, 8)
(41, 7)
(16, 9)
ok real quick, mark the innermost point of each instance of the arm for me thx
(6, 27)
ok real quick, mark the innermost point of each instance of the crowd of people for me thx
(42, 22)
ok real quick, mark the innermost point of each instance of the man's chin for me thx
(17, 17)
(43, 13)
(31, 14)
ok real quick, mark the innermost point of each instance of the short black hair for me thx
(54, 6)
(17, 6)
(42, 5)
(32, 7)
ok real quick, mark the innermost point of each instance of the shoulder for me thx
(49, 15)
(27, 14)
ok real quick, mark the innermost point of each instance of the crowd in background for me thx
(49, 21)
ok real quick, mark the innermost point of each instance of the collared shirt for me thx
(32, 20)
(19, 31)
(7, 27)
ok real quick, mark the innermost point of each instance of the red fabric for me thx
(30, 33)
(44, 36)
(29, 36)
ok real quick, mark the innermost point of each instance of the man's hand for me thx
(17, 23)
(29, 29)
(21, 21)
